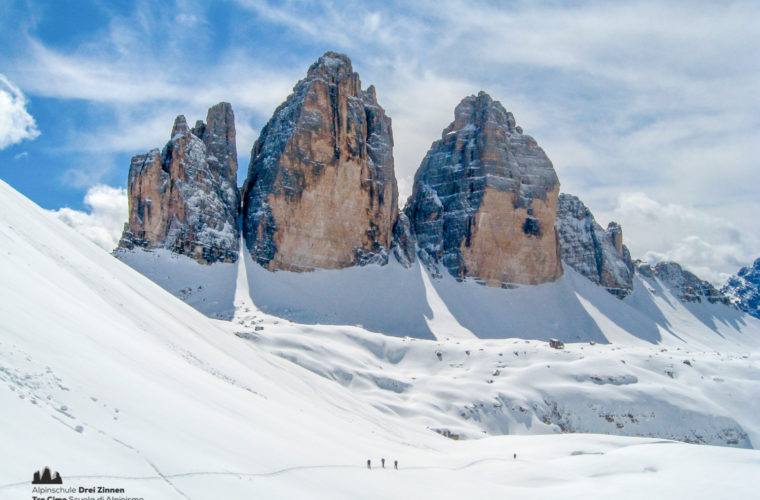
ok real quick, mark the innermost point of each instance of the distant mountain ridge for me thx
(685, 284)
(744, 289)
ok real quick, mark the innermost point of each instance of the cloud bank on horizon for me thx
(648, 110)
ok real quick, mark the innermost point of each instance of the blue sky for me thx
(648, 110)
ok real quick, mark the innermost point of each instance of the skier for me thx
(382, 460)
(369, 463)
(395, 464)
(515, 456)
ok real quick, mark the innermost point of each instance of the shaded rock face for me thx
(744, 289)
(684, 284)
(485, 199)
(597, 254)
(404, 242)
(185, 198)
(321, 190)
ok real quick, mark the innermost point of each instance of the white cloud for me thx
(94, 77)
(104, 219)
(318, 25)
(16, 124)
(137, 113)
(711, 247)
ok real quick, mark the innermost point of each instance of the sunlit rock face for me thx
(485, 199)
(321, 190)
(185, 198)
(597, 254)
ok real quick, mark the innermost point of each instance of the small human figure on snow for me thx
(382, 460)
(395, 464)
(369, 463)
(515, 456)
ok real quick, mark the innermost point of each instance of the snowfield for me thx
(110, 380)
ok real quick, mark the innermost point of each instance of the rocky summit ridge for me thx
(684, 284)
(184, 198)
(321, 190)
(484, 200)
(596, 253)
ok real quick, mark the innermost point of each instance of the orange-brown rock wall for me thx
(501, 252)
(321, 190)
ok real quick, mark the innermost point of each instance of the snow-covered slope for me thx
(110, 380)
(472, 388)
(98, 362)
(208, 288)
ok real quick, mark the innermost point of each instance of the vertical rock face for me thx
(684, 284)
(403, 241)
(597, 254)
(744, 289)
(185, 198)
(485, 199)
(321, 191)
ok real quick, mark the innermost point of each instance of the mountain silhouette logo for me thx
(45, 477)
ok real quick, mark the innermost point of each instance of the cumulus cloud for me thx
(711, 247)
(16, 124)
(104, 218)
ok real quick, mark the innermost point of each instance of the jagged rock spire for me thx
(597, 254)
(185, 198)
(321, 190)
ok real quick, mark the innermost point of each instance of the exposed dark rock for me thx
(683, 284)
(597, 254)
(744, 289)
(185, 197)
(403, 241)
